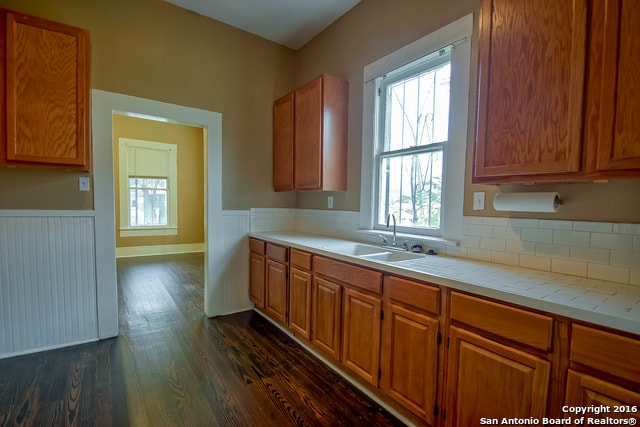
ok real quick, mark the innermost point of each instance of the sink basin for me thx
(392, 256)
(357, 249)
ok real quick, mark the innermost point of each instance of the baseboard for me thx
(135, 251)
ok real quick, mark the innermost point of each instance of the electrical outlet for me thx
(478, 201)
(83, 183)
(330, 202)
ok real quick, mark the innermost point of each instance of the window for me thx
(148, 188)
(415, 135)
(413, 111)
(147, 201)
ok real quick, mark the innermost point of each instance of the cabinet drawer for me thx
(257, 246)
(521, 326)
(277, 252)
(350, 274)
(301, 259)
(614, 354)
(416, 294)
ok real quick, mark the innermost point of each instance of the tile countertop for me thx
(610, 304)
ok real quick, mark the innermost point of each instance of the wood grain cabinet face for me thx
(361, 334)
(257, 264)
(410, 360)
(300, 302)
(277, 291)
(47, 94)
(283, 144)
(584, 390)
(618, 146)
(257, 271)
(326, 316)
(310, 137)
(486, 379)
(532, 73)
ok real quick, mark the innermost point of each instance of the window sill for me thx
(149, 231)
(412, 237)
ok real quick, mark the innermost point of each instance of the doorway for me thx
(104, 106)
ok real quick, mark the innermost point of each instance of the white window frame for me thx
(458, 35)
(171, 229)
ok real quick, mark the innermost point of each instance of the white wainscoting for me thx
(234, 264)
(47, 280)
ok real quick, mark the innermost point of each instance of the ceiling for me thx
(291, 23)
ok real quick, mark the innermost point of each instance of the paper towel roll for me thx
(527, 202)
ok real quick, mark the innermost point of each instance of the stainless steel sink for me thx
(392, 256)
(356, 249)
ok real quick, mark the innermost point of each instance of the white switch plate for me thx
(83, 183)
(478, 201)
(330, 202)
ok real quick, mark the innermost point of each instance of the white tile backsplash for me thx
(593, 251)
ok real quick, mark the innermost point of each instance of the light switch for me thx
(330, 202)
(478, 201)
(83, 183)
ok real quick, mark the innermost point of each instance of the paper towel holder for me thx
(527, 202)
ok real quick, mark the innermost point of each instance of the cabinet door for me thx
(276, 291)
(308, 136)
(257, 279)
(488, 380)
(326, 316)
(361, 334)
(410, 354)
(619, 134)
(531, 84)
(584, 391)
(47, 82)
(283, 143)
(300, 302)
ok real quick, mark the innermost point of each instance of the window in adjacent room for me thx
(148, 188)
(415, 135)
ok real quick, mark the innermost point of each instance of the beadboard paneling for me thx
(47, 282)
(235, 261)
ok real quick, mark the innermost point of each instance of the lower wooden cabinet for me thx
(257, 269)
(277, 291)
(326, 309)
(257, 264)
(300, 303)
(410, 360)
(361, 334)
(585, 390)
(488, 380)
(276, 299)
(604, 370)
(491, 361)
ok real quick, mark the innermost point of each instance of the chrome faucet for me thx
(393, 243)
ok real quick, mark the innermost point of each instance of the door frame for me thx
(104, 105)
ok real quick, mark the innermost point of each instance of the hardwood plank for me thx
(171, 365)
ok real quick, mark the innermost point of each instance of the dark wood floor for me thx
(173, 366)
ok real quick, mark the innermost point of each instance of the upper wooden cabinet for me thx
(616, 61)
(47, 120)
(556, 85)
(310, 137)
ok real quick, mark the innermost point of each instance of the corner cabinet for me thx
(47, 106)
(555, 99)
(310, 137)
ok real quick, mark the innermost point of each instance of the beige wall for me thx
(153, 49)
(375, 28)
(191, 177)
